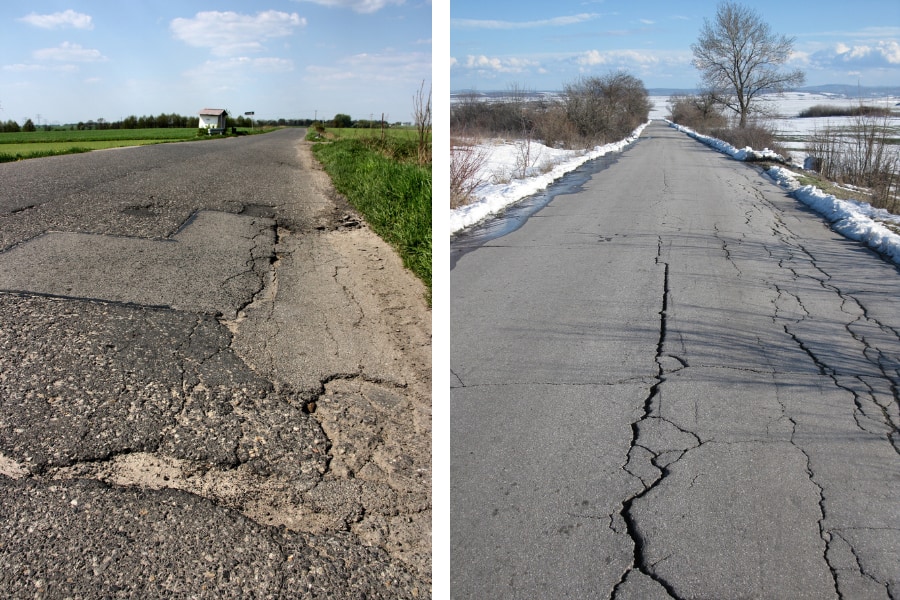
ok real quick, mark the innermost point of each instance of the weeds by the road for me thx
(41, 153)
(389, 188)
(466, 160)
(864, 154)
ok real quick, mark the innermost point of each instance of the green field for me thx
(35, 144)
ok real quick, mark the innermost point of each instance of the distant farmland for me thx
(34, 144)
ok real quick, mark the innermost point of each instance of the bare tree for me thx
(739, 57)
(422, 116)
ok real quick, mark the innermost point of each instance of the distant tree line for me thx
(165, 120)
(13, 127)
(346, 121)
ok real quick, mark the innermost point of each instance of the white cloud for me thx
(240, 64)
(360, 6)
(890, 51)
(496, 24)
(595, 57)
(385, 66)
(32, 67)
(884, 53)
(68, 18)
(68, 52)
(495, 65)
(592, 57)
(230, 33)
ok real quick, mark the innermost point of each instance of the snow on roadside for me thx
(544, 166)
(851, 218)
(854, 219)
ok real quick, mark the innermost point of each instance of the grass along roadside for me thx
(393, 194)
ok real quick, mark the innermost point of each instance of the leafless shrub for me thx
(700, 112)
(608, 108)
(555, 129)
(422, 115)
(466, 160)
(826, 110)
(471, 115)
(755, 135)
(861, 155)
(592, 110)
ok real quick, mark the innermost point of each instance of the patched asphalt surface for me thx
(143, 452)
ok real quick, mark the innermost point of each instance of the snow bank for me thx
(853, 219)
(747, 154)
(504, 159)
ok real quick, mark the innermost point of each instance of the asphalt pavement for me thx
(152, 442)
(674, 382)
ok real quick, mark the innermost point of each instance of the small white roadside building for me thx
(212, 118)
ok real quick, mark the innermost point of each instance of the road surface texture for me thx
(674, 383)
(214, 381)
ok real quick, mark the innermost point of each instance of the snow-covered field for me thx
(514, 170)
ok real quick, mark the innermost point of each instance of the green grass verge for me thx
(13, 156)
(393, 196)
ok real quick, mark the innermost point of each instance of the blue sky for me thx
(75, 60)
(540, 45)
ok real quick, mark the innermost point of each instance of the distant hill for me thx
(671, 91)
(839, 89)
(851, 91)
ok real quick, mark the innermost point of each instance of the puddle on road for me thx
(515, 215)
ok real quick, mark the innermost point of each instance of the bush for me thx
(466, 160)
(701, 113)
(754, 135)
(342, 120)
(861, 155)
(608, 108)
(592, 110)
(553, 126)
(825, 110)
(473, 116)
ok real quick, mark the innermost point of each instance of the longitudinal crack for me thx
(640, 560)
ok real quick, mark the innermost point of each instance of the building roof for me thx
(212, 112)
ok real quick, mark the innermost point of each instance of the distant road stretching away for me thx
(675, 382)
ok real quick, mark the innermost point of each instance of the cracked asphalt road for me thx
(675, 382)
(214, 383)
